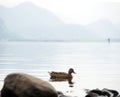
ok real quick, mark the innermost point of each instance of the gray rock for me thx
(24, 85)
(102, 93)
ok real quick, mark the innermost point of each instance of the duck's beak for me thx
(74, 72)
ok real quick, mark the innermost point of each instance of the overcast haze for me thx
(77, 11)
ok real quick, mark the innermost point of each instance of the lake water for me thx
(97, 65)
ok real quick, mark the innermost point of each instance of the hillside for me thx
(30, 22)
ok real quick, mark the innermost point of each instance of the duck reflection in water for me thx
(62, 76)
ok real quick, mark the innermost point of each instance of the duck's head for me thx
(71, 70)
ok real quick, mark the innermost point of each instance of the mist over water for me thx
(96, 64)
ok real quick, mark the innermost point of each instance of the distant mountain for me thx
(27, 16)
(29, 22)
(2, 29)
(105, 29)
(34, 23)
(6, 34)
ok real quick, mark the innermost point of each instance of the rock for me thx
(24, 85)
(104, 93)
(113, 92)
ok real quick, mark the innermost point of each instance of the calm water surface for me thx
(97, 65)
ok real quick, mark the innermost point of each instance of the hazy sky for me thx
(77, 11)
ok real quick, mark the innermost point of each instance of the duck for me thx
(61, 75)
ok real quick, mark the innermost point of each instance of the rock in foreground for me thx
(24, 85)
(102, 93)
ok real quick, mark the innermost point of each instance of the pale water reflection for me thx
(97, 65)
(69, 80)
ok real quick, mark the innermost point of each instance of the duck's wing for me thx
(58, 74)
(53, 72)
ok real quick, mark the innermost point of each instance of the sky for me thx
(77, 11)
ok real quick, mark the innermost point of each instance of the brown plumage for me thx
(62, 75)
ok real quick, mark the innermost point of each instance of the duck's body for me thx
(63, 75)
(58, 75)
